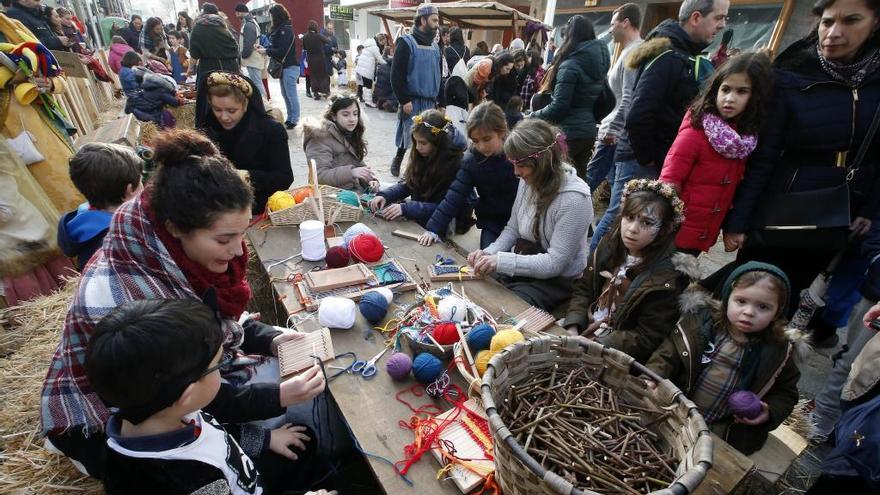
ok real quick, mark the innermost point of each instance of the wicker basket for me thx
(683, 430)
(334, 210)
(415, 347)
(474, 382)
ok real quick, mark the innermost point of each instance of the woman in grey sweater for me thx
(543, 248)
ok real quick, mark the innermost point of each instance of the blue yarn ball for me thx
(480, 337)
(373, 306)
(348, 197)
(427, 368)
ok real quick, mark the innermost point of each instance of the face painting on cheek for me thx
(652, 219)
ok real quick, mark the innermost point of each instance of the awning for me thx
(472, 15)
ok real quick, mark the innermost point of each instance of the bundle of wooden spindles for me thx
(579, 429)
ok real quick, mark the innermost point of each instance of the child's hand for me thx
(286, 335)
(377, 203)
(759, 420)
(428, 238)
(392, 212)
(373, 186)
(474, 256)
(363, 173)
(871, 315)
(281, 439)
(304, 386)
(732, 242)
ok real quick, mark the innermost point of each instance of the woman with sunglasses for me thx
(181, 238)
(543, 248)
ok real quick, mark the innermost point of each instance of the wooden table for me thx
(369, 406)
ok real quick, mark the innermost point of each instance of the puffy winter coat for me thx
(707, 182)
(156, 92)
(36, 21)
(369, 59)
(496, 185)
(578, 84)
(117, 50)
(666, 85)
(647, 312)
(811, 118)
(334, 155)
(773, 374)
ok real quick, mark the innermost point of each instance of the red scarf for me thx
(233, 291)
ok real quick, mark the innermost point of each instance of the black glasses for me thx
(219, 366)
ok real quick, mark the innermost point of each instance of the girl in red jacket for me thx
(708, 158)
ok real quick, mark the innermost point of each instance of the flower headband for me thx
(230, 79)
(560, 140)
(661, 189)
(418, 120)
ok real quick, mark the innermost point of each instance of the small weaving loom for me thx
(296, 355)
(389, 274)
(452, 273)
(467, 444)
(533, 320)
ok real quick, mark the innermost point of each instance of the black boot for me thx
(398, 159)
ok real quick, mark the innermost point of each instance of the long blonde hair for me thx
(536, 141)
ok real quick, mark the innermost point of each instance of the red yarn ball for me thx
(366, 247)
(445, 333)
(337, 257)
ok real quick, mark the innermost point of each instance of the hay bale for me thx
(185, 115)
(25, 466)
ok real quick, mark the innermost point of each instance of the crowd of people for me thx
(776, 156)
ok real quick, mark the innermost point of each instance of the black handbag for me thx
(814, 219)
(540, 100)
(604, 103)
(276, 68)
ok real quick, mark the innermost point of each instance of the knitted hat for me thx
(426, 9)
(756, 266)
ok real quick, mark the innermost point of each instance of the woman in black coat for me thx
(824, 102)
(254, 142)
(313, 43)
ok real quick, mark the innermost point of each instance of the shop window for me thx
(752, 26)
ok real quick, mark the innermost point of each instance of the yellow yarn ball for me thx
(280, 200)
(505, 338)
(482, 361)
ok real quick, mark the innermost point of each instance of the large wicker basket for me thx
(683, 430)
(334, 210)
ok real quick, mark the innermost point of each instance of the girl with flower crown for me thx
(434, 159)
(627, 296)
(707, 161)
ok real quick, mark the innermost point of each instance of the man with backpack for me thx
(668, 72)
(248, 37)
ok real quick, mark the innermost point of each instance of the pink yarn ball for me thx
(398, 365)
(745, 404)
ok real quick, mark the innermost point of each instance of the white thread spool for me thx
(311, 238)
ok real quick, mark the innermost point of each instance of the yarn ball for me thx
(355, 230)
(482, 361)
(385, 291)
(337, 257)
(348, 197)
(366, 247)
(373, 306)
(745, 403)
(280, 200)
(452, 308)
(480, 337)
(337, 312)
(301, 194)
(445, 333)
(427, 368)
(399, 365)
(505, 338)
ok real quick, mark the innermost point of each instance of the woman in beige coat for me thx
(337, 146)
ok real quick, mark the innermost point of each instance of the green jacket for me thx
(649, 308)
(579, 82)
(774, 375)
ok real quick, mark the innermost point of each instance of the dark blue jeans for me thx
(601, 165)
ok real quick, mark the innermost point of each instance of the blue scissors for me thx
(367, 369)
